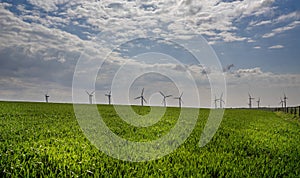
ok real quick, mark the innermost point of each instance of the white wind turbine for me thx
(250, 100)
(179, 98)
(142, 98)
(109, 97)
(164, 98)
(90, 96)
(47, 97)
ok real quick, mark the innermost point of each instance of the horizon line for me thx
(192, 107)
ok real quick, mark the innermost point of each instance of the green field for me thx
(39, 140)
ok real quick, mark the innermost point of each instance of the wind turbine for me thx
(179, 99)
(90, 96)
(221, 100)
(281, 102)
(109, 97)
(216, 100)
(250, 100)
(258, 102)
(285, 100)
(164, 100)
(142, 98)
(47, 97)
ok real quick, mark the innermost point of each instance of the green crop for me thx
(45, 140)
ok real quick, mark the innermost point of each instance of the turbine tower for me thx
(179, 99)
(285, 101)
(221, 101)
(142, 98)
(258, 102)
(250, 100)
(164, 98)
(47, 97)
(90, 96)
(216, 100)
(109, 97)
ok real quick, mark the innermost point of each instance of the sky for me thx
(204, 49)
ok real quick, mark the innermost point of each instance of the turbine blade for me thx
(137, 98)
(144, 100)
(168, 96)
(162, 94)
(181, 94)
(142, 92)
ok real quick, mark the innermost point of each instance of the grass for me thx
(45, 140)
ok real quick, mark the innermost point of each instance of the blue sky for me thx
(41, 42)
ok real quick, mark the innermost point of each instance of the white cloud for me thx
(257, 47)
(4, 4)
(282, 29)
(187, 17)
(290, 17)
(247, 72)
(269, 35)
(257, 77)
(37, 37)
(276, 47)
(215, 19)
(266, 22)
(50, 5)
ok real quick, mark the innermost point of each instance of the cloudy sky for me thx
(42, 43)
